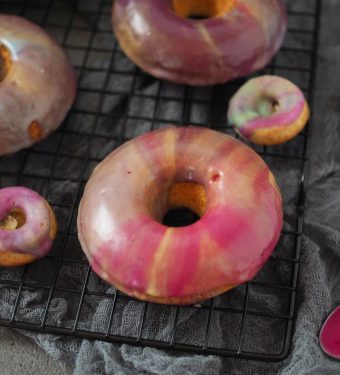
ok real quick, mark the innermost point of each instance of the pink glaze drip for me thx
(119, 220)
(40, 86)
(330, 335)
(199, 52)
(245, 107)
(33, 237)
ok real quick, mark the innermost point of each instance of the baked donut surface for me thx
(37, 84)
(27, 226)
(233, 39)
(120, 218)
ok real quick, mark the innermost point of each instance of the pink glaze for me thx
(330, 335)
(34, 236)
(40, 86)
(120, 215)
(251, 108)
(199, 52)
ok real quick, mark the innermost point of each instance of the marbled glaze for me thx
(268, 104)
(120, 215)
(36, 235)
(39, 88)
(200, 52)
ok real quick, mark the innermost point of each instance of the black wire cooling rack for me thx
(116, 102)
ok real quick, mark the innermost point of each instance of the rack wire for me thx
(116, 101)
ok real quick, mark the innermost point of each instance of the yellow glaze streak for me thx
(216, 51)
(155, 286)
(208, 38)
(169, 151)
(274, 184)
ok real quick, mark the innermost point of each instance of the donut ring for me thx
(27, 226)
(37, 84)
(160, 38)
(268, 110)
(120, 215)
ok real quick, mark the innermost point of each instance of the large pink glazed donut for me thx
(120, 215)
(37, 84)
(236, 38)
(27, 226)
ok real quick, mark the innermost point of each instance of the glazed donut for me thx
(161, 39)
(268, 110)
(37, 84)
(27, 226)
(230, 187)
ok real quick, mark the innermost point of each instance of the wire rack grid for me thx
(116, 102)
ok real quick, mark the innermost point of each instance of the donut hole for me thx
(267, 106)
(14, 220)
(201, 9)
(5, 62)
(180, 217)
(186, 204)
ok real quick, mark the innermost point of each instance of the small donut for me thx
(268, 110)
(162, 39)
(27, 226)
(120, 219)
(37, 84)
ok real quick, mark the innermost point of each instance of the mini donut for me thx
(268, 110)
(120, 219)
(37, 84)
(27, 226)
(236, 37)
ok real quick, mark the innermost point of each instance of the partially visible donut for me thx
(234, 38)
(268, 110)
(120, 219)
(37, 84)
(27, 226)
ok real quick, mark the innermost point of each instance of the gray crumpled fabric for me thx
(319, 278)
